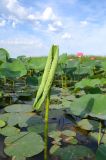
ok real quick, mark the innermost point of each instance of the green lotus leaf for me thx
(32, 81)
(69, 133)
(5, 116)
(18, 108)
(54, 148)
(23, 119)
(4, 55)
(2, 123)
(74, 152)
(63, 59)
(104, 65)
(39, 128)
(55, 134)
(25, 144)
(95, 136)
(90, 104)
(9, 131)
(37, 63)
(15, 69)
(101, 152)
(88, 83)
(88, 124)
(73, 141)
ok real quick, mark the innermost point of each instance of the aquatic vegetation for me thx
(53, 107)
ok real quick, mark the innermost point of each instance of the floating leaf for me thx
(88, 124)
(54, 148)
(25, 144)
(2, 123)
(72, 152)
(101, 152)
(69, 133)
(19, 108)
(54, 134)
(39, 128)
(9, 131)
(24, 119)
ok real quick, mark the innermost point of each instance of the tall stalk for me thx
(43, 92)
(99, 134)
(46, 127)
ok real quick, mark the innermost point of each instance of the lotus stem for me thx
(4, 80)
(62, 81)
(65, 81)
(46, 127)
(99, 134)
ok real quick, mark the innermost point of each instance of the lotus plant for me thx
(44, 89)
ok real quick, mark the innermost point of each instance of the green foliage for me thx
(18, 108)
(91, 104)
(73, 152)
(101, 152)
(9, 131)
(88, 124)
(4, 55)
(37, 63)
(2, 123)
(47, 78)
(25, 144)
(16, 69)
(63, 58)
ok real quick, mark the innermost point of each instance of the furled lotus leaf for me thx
(25, 144)
(47, 78)
(73, 152)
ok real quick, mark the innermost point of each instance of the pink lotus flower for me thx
(79, 54)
